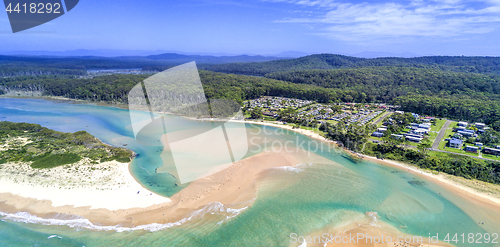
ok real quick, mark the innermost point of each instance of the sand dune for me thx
(108, 185)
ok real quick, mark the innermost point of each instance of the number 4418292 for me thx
(34, 8)
(470, 238)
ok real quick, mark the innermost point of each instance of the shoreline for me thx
(233, 190)
(442, 178)
(108, 185)
(206, 191)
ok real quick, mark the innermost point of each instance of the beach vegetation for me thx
(46, 148)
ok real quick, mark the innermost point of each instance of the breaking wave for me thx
(79, 222)
(298, 168)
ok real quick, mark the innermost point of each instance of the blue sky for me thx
(445, 27)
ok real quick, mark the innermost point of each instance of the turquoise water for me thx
(302, 200)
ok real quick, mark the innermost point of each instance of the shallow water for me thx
(302, 200)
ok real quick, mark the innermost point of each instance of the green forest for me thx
(460, 96)
(485, 65)
(459, 88)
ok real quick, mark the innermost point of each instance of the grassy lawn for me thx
(432, 136)
(442, 146)
(448, 134)
(441, 154)
(381, 122)
(376, 117)
(439, 125)
(489, 156)
(435, 129)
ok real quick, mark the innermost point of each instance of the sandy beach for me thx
(107, 185)
(488, 193)
(309, 133)
(489, 196)
(115, 201)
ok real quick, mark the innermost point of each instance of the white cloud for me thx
(417, 18)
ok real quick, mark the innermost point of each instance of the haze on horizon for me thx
(268, 27)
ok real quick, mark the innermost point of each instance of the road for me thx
(476, 157)
(440, 135)
(435, 145)
(382, 118)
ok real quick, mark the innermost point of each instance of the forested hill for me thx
(488, 65)
(462, 88)
(384, 83)
(460, 96)
(246, 65)
(46, 65)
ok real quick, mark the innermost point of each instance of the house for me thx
(424, 126)
(465, 133)
(471, 149)
(480, 125)
(493, 151)
(414, 135)
(413, 139)
(455, 143)
(470, 131)
(478, 144)
(400, 112)
(397, 136)
(377, 134)
(420, 131)
(462, 124)
(382, 130)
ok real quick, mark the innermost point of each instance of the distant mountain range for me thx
(159, 57)
(135, 53)
(179, 58)
(240, 64)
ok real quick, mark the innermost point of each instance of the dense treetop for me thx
(490, 65)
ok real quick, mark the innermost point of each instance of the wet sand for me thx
(365, 232)
(233, 186)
